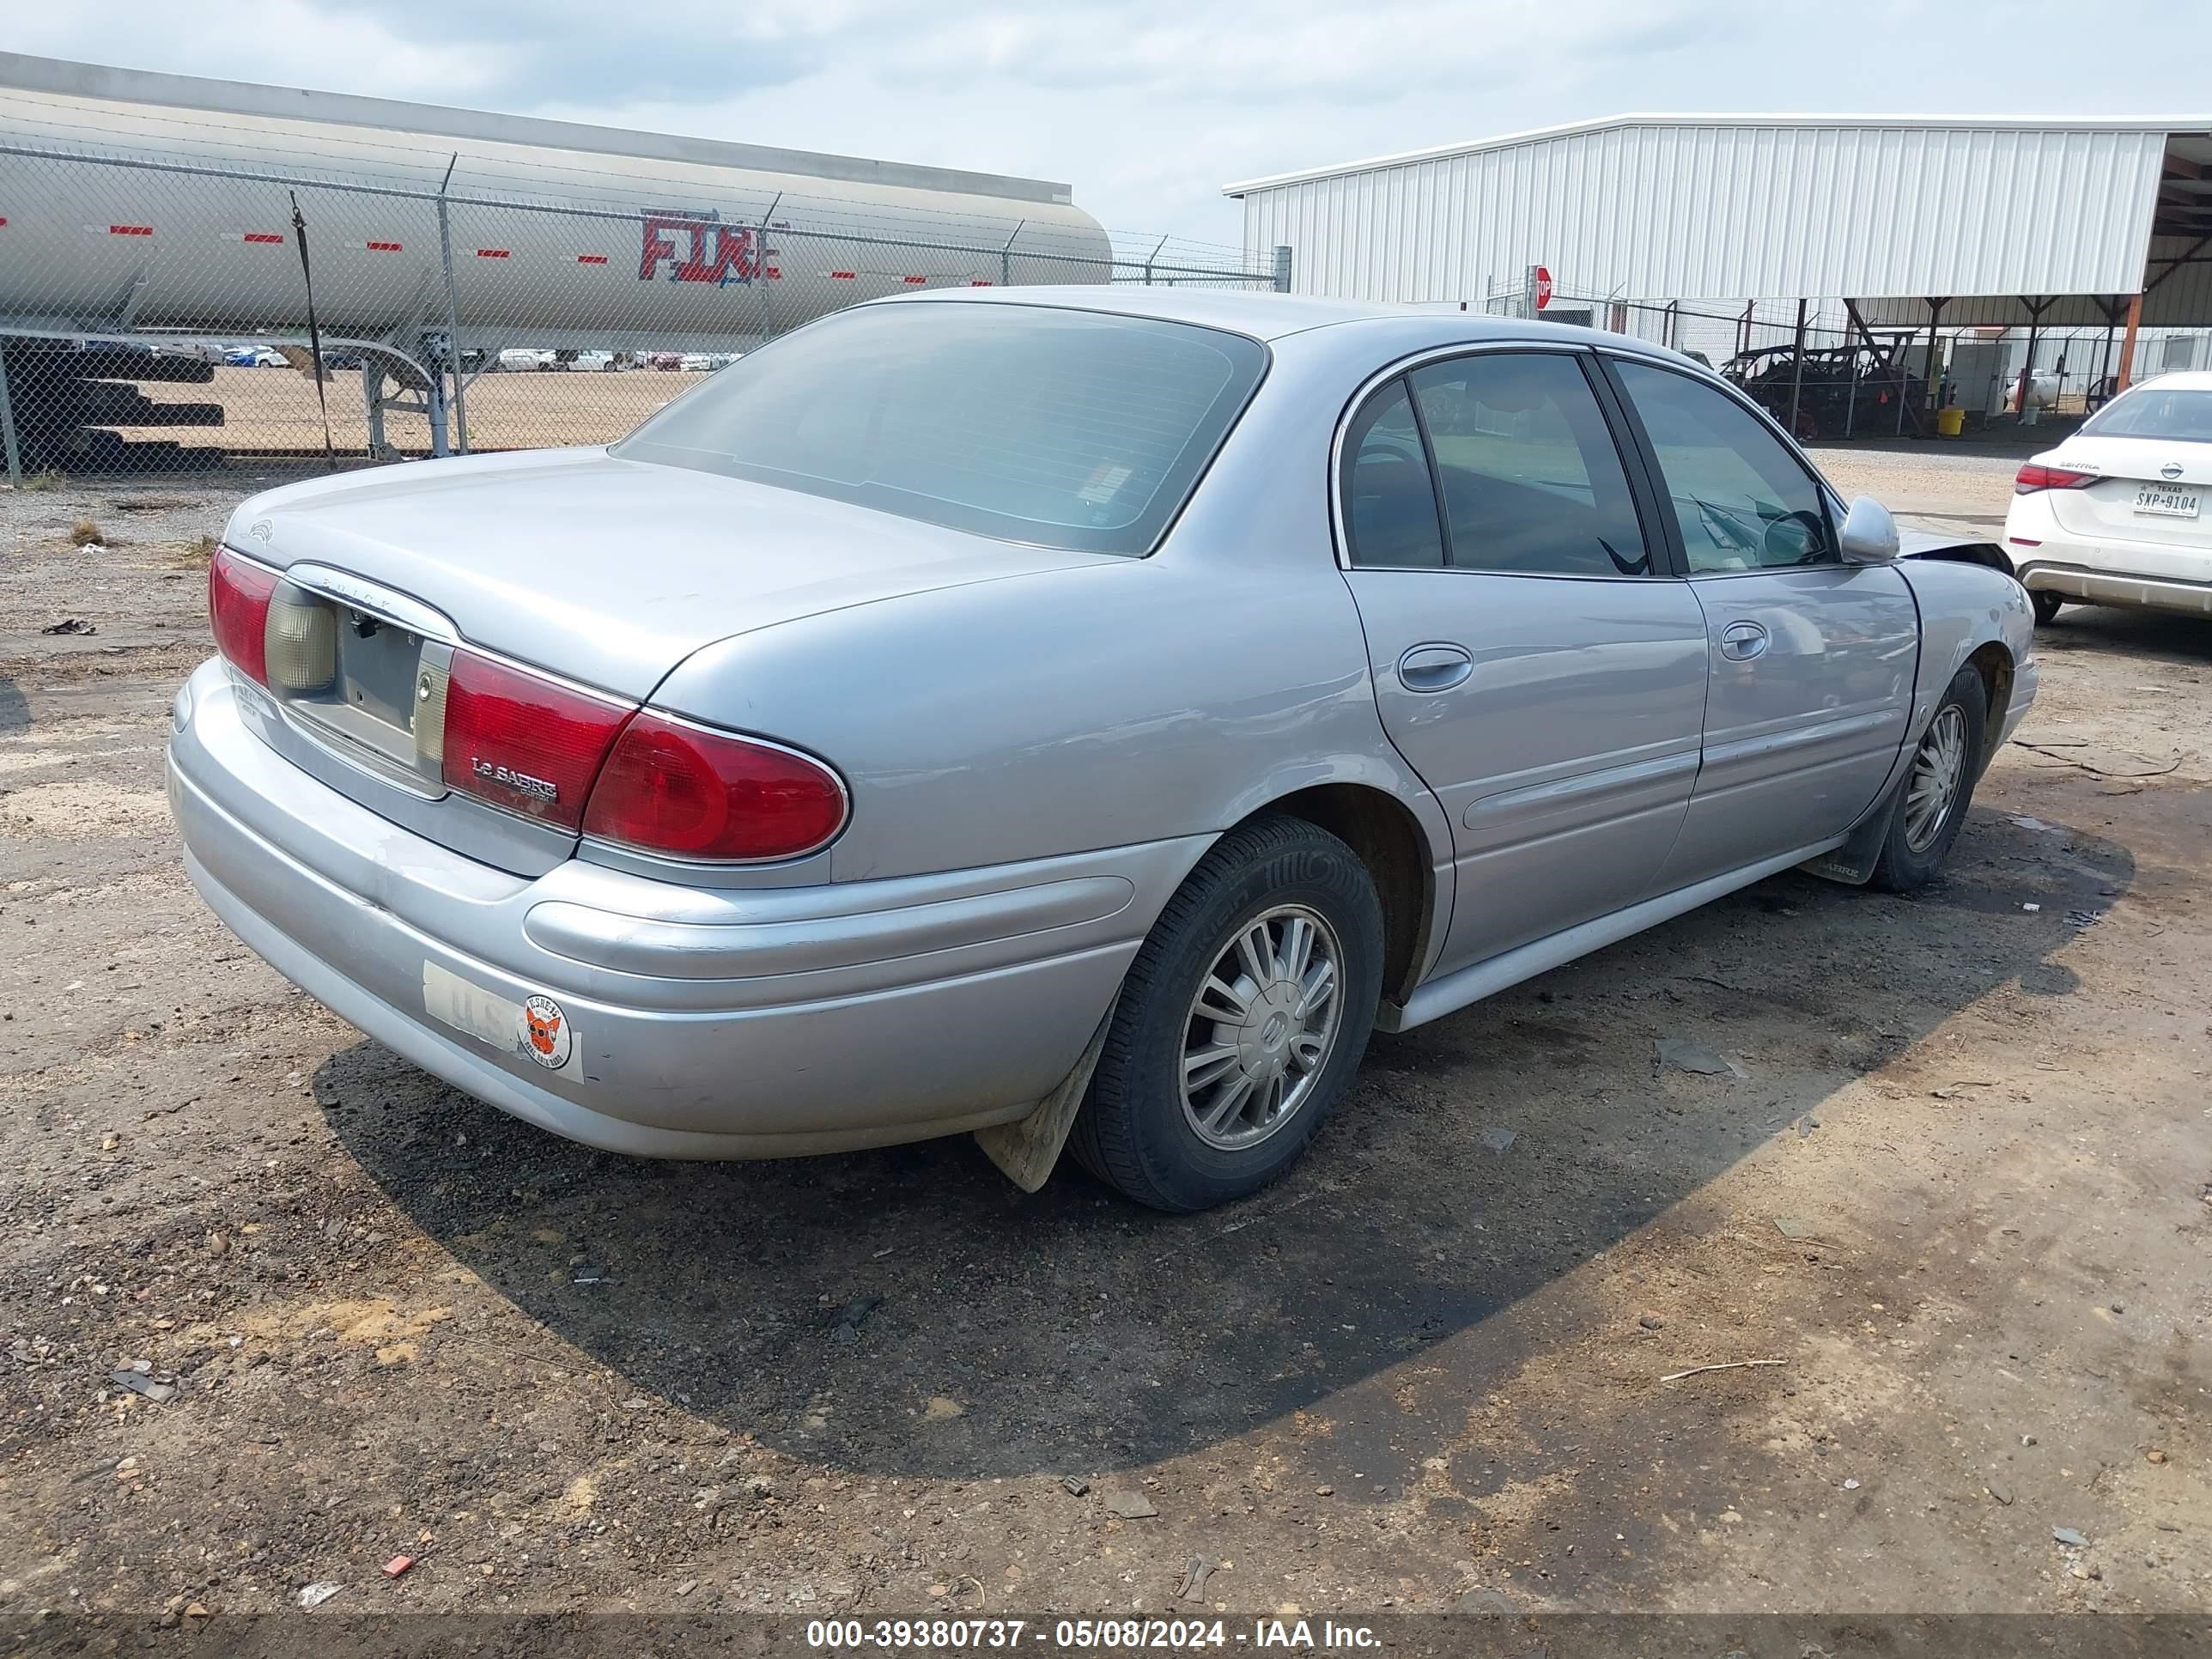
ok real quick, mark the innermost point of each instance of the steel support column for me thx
(1928, 363)
(2035, 310)
(2128, 344)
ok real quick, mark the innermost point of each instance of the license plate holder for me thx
(377, 665)
(2164, 502)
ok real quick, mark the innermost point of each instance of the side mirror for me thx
(1869, 534)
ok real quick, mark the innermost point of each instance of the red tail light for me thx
(238, 608)
(523, 742)
(679, 789)
(2033, 478)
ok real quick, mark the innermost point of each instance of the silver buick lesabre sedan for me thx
(1077, 716)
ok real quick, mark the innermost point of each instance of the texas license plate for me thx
(2163, 503)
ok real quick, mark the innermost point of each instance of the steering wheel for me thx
(1383, 449)
(1816, 539)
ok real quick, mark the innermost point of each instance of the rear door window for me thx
(1390, 499)
(1531, 480)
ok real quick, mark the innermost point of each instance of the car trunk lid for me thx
(2148, 489)
(599, 573)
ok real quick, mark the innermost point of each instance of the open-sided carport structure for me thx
(1908, 222)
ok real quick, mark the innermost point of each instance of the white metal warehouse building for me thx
(1913, 222)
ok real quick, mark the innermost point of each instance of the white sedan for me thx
(2116, 514)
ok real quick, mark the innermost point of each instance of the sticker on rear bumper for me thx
(538, 1027)
(549, 1036)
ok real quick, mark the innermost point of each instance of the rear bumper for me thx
(721, 1023)
(2048, 572)
(2099, 567)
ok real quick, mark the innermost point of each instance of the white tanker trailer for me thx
(140, 208)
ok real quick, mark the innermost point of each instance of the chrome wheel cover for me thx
(1262, 1027)
(1931, 788)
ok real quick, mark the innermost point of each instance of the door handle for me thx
(1742, 641)
(1435, 667)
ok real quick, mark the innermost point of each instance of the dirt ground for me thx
(1946, 1214)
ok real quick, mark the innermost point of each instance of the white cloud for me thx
(1147, 107)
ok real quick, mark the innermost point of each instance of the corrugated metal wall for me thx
(1661, 209)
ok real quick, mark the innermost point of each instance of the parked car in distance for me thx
(697, 362)
(1278, 710)
(516, 358)
(2115, 514)
(254, 357)
(593, 360)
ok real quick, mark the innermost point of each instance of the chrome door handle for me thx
(1742, 641)
(1435, 667)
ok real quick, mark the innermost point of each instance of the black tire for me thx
(1901, 866)
(2046, 605)
(1132, 1132)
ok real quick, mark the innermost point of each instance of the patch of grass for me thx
(49, 479)
(85, 533)
(196, 556)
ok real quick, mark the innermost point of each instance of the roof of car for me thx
(2181, 380)
(1264, 316)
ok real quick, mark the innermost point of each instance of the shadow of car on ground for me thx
(907, 1312)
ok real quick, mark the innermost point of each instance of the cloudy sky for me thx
(1148, 106)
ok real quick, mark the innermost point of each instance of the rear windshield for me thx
(1065, 428)
(2148, 412)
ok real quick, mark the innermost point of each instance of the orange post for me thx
(2128, 343)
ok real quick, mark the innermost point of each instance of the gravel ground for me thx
(1955, 1191)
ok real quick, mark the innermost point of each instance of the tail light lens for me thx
(2033, 478)
(678, 789)
(238, 592)
(523, 742)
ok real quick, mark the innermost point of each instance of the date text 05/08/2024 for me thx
(1087, 1635)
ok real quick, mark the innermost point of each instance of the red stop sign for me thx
(1543, 287)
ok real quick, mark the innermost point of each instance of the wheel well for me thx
(1389, 840)
(1993, 663)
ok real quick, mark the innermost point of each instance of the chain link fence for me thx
(164, 317)
(1829, 375)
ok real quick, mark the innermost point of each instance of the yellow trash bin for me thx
(1950, 422)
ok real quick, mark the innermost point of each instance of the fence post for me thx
(8, 425)
(452, 324)
(1797, 370)
(1282, 268)
(1007, 256)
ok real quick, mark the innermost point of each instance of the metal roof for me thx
(2200, 124)
(1693, 207)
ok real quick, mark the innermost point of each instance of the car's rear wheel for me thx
(1939, 785)
(1241, 1022)
(2046, 603)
